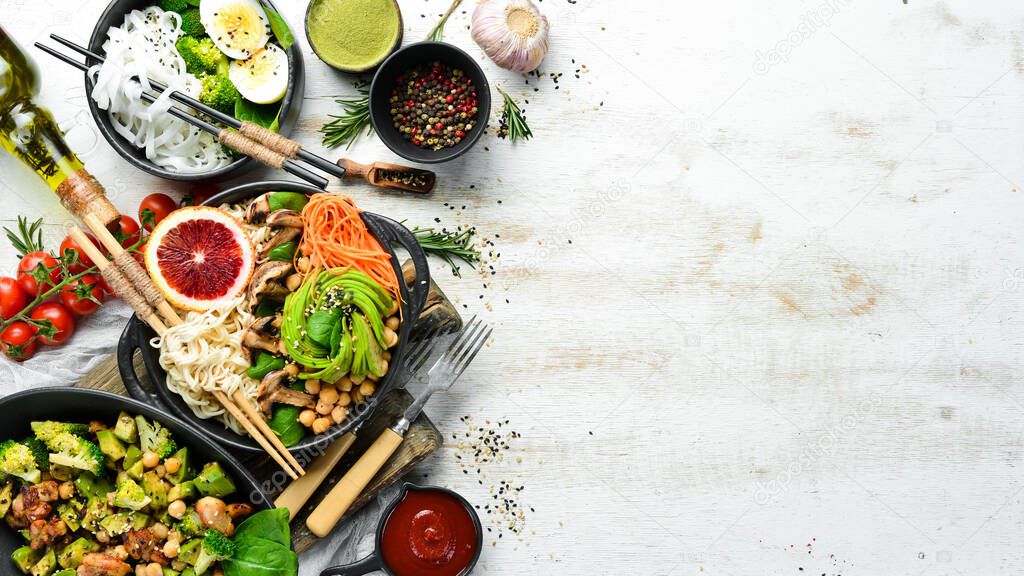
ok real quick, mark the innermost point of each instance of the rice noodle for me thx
(140, 50)
(204, 354)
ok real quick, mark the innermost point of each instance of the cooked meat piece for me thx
(16, 517)
(239, 510)
(42, 533)
(95, 564)
(213, 513)
(140, 543)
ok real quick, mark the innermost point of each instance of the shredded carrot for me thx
(335, 236)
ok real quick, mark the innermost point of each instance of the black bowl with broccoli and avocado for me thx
(93, 484)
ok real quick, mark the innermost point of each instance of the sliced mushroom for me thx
(273, 391)
(257, 210)
(285, 219)
(267, 280)
(280, 237)
(253, 340)
(267, 324)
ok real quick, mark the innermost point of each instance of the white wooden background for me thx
(786, 336)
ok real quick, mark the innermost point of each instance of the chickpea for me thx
(356, 396)
(177, 509)
(312, 386)
(306, 418)
(386, 355)
(110, 498)
(367, 388)
(178, 565)
(159, 530)
(323, 408)
(293, 282)
(102, 537)
(172, 465)
(303, 264)
(320, 425)
(66, 490)
(119, 552)
(392, 322)
(344, 400)
(154, 569)
(384, 365)
(150, 459)
(140, 570)
(171, 548)
(339, 414)
(394, 307)
(345, 384)
(160, 470)
(390, 337)
(357, 379)
(329, 395)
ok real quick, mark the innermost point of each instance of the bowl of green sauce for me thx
(353, 35)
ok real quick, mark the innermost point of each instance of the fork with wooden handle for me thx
(295, 496)
(440, 377)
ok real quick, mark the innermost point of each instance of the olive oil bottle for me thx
(29, 132)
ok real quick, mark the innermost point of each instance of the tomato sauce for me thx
(429, 533)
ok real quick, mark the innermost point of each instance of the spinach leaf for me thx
(280, 28)
(261, 557)
(283, 253)
(265, 363)
(287, 201)
(267, 307)
(322, 324)
(265, 115)
(285, 424)
(269, 525)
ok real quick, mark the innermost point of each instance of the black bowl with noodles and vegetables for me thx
(273, 97)
(95, 483)
(429, 102)
(294, 382)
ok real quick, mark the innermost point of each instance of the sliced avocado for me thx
(125, 429)
(46, 565)
(71, 555)
(110, 445)
(156, 489)
(25, 558)
(185, 471)
(213, 481)
(183, 491)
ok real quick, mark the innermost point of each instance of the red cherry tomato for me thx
(76, 295)
(202, 192)
(27, 273)
(12, 297)
(60, 317)
(127, 231)
(156, 207)
(18, 341)
(83, 260)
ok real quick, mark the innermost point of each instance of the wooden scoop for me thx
(384, 175)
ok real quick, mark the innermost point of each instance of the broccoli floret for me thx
(201, 55)
(178, 6)
(155, 438)
(190, 23)
(216, 547)
(130, 495)
(219, 92)
(48, 429)
(74, 452)
(39, 451)
(17, 460)
(191, 525)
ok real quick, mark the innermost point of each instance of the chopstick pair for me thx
(132, 283)
(246, 137)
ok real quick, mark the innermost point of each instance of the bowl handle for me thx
(369, 564)
(390, 232)
(126, 347)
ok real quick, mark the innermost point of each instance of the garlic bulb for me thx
(513, 33)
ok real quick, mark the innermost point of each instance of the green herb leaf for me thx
(28, 238)
(280, 28)
(346, 127)
(285, 424)
(450, 246)
(513, 122)
(265, 115)
(322, 324)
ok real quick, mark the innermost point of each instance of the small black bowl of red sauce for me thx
(427, 531)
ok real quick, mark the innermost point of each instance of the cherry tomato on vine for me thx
(155, 208)
(84, 261)
(18, 341)
(61, 318)
(127, 231)
(12, 297)
(33, 279)
(84, 295)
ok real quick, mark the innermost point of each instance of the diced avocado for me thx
(130, 495)
(117, 523)
(131, 456)
(188, 572)
(185, 471)
(70, 515)
(189, 551)
(25, 557)
(71, 555)
(46, 565)
(6, 498)
(213, 481)
(125, 429)
(110, 445)
(96, 509)
(183, 491)
(65, 573)
(92, 486)
(156, 489)
(170, 572)
(136, 470)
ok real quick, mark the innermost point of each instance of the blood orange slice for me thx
(199, 257)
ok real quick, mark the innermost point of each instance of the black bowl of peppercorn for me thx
(429, 102)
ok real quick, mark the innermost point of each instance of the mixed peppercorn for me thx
(434, 105)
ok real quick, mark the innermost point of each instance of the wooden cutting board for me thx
(422, 439)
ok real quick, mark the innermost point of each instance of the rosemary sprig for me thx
(348, 126)
(513, 123)
(437, 34)
(449, 246)
(28, 238)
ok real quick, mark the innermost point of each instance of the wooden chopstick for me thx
(131, 294)
(252, 147)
